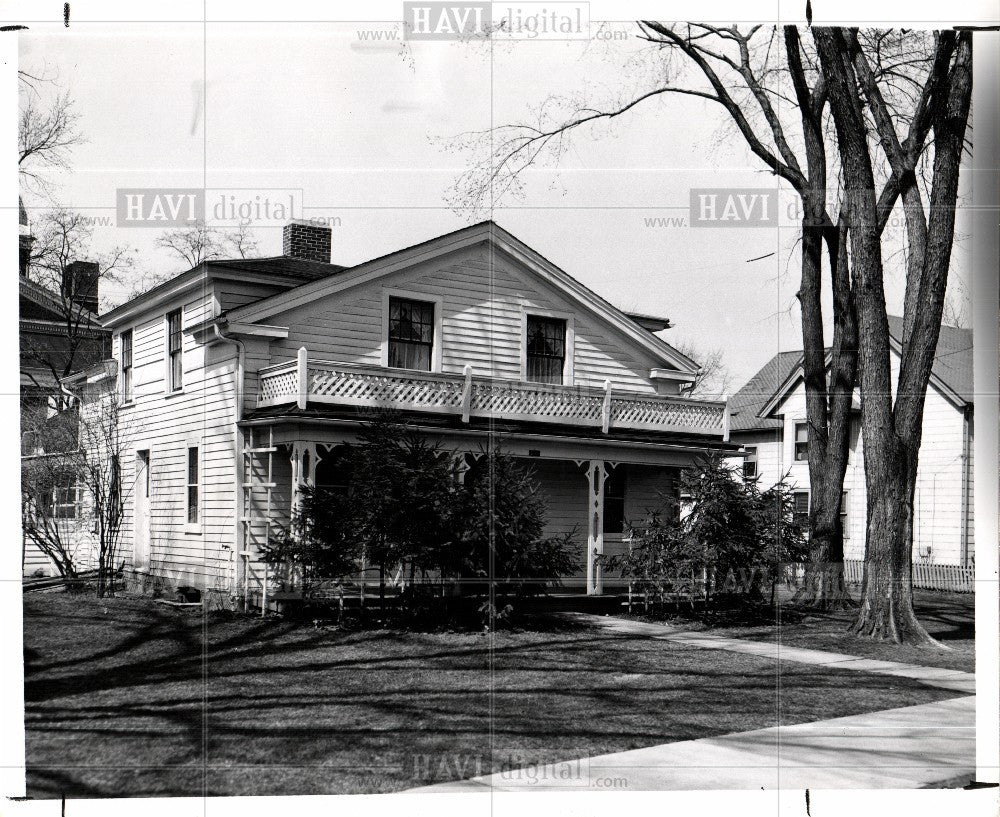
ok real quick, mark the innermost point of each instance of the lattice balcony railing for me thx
(347, 384)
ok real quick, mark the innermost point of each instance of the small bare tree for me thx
(64, 237)
(200, 243)
(105, 441)
(50, 493)
(714, 379)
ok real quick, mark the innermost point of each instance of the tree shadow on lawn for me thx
(146, 700)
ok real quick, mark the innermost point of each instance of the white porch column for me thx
(303, 471)
(461, 467)
(597, 473)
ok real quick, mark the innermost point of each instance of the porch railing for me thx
(304, 381)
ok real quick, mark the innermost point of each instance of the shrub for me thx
(726, 544)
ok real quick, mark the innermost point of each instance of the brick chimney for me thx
(305, 240)
(25, 239)
(80, 281)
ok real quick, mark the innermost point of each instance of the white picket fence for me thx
(956, 578)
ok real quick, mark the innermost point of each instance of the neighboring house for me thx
(60, 336)
(241, 378)
(768, 417)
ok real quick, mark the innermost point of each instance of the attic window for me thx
(546, 349)
(411, 334)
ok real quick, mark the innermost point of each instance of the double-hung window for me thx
(193, 508)
(800, 508)
(801, 441)
(125, 343)
(546, 349)
(750, 463)
(411, 334)
(175, 352)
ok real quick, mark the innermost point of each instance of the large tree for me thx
(892, 420)
(770, 88)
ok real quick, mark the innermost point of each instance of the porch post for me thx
(461, 467)
(597, 473)
(303, 471)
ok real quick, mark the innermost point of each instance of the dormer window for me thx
(546, 349)
(411, 334)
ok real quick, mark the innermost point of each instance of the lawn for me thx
(948, 617)
(129, 698)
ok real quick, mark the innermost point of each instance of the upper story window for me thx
(546, 349)
(750, 463)
(801, 441)
(125, 342)
(411, 334)
(175, 352)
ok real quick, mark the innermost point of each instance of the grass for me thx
(128, 698)
(948, 617)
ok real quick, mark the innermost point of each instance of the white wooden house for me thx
(240, 379)
(768, 417)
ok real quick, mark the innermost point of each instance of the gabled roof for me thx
(282, 265)
(952, 359)
(280, 270)
(500, 240)
(42, 298)
(951, 374)
(747, 403)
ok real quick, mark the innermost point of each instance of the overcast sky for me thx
(357, 126)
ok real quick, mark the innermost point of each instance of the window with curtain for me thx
(546, 349)
(411, 334)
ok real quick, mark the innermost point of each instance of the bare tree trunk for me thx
(892, 432)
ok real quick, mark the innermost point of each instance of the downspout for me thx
(238, 456)
(966, 482)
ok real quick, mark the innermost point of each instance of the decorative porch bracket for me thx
(597, 474)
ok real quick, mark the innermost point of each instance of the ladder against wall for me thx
(257, 518)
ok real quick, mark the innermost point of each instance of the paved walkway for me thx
(909, 747)
(931, 676)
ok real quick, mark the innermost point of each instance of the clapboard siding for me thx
(483, 300)
(203, 414)
(938, 512)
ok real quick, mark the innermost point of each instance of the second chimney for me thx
(307, 241)
(80, 283)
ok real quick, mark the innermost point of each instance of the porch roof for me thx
(480, 426)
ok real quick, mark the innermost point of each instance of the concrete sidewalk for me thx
(931, 676)
(910, 747)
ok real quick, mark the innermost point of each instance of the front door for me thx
(140, 554)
